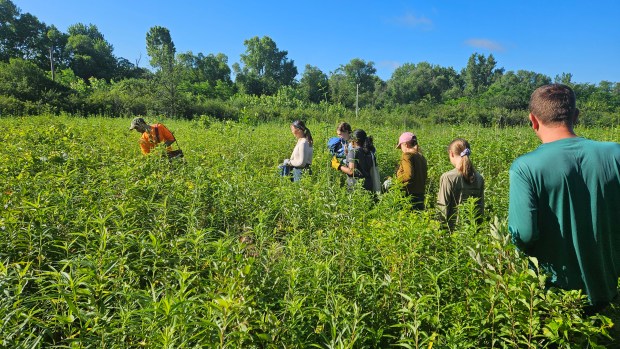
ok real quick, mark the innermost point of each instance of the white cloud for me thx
(389, 64)
(413, 21)
(486, 44)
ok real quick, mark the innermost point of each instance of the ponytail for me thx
(465, 167)
(369, 146)
(365, 142)
(308, 136)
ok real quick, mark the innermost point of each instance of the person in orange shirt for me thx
(152, 135)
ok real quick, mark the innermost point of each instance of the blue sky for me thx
(545, 36)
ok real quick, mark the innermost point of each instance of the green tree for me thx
(207, 76)
(22, 35)
(25, 81)
(160, 48)
(127, 70)
(133, 96)
(90, 54)
(564, 78)
(31, 39)
(361, 73)
(480, 73)
(57, 42)
(356, 78)
(265, 68)
(167, 97)
(512, 90)
(341, 90)
(314, 85)
(599, 98)
(201, 68)
(411, 82)
(8, 15)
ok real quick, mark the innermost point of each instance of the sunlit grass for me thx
(103, 247)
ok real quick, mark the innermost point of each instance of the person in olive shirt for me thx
(459, 184)
(564, 206)
(412, 170)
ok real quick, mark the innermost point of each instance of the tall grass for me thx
(103, 247)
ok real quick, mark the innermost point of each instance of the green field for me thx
(101, 247)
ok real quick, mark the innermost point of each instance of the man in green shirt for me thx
(565, 200)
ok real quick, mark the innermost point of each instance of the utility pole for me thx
(326, 104)
(357, 99)
(52, 62)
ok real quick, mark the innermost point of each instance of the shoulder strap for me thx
(156, 134)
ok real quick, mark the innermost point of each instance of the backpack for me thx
(336, 147)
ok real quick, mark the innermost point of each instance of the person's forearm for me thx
(347, 170)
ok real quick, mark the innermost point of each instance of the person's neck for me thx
(548, 134)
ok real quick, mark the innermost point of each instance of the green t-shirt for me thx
(565, 211)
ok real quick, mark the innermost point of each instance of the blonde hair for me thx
(460, 147)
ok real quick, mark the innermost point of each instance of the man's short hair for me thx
(553, 104)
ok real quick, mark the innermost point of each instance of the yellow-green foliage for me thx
(102, 247)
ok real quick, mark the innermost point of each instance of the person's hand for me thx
(335, 164)
(387, 184)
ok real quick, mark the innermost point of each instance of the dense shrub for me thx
(215, 108)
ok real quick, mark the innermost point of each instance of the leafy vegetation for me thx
(103, 247)
(47, 71)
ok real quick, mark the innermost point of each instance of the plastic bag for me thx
(375, 176)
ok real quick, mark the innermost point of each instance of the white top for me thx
(302, 154)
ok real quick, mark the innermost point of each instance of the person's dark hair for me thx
(415, 145)
(364, 141)
(344, 127)
(300, 125)
(553, 104)
(461, 147)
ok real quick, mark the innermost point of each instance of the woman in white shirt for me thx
(301, 158)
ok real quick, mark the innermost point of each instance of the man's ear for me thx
(576, 117)
(534, 122)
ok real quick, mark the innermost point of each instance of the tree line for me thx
(43, 70)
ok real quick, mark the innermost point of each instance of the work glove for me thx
(387, 183)
(335, 163)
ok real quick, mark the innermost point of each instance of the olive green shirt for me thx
(413, 172)
(454, 190)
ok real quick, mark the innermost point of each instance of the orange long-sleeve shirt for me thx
(158, 133)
